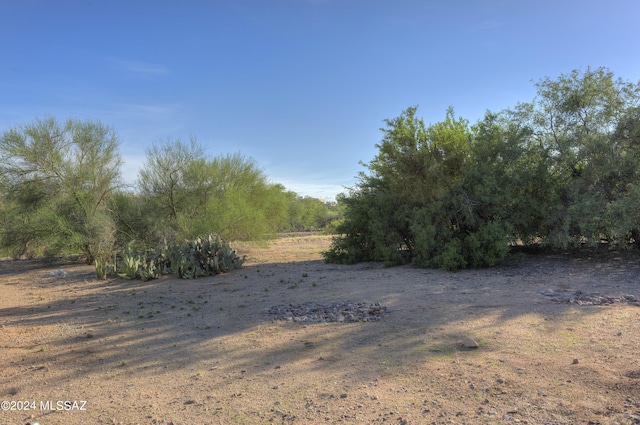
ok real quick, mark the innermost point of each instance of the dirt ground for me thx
(74, 350)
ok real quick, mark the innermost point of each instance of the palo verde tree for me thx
(191, 194)
(56, 182)
(167, 182)
(240, 204)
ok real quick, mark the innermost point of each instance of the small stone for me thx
(575, 361)
(468, 342)
(343, 395)
(500, 380)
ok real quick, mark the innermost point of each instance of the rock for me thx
(468, 342)
(575, 361)
(582, 298)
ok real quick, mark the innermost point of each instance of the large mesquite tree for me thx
(412, 205)
(562, 170)
(583, 124)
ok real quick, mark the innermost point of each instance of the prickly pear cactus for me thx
(205, 256)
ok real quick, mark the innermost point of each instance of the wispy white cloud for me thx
(138, 67)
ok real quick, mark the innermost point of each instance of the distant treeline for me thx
(61, 192)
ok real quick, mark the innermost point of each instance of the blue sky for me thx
(301, 86)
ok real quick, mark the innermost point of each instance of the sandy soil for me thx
(180, 352)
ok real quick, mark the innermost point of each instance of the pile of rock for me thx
(341, 311)
(582, 298)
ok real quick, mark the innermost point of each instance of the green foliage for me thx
(167, 179)
(59, 194)
(308, 214)
(486, 246)
(183, 191)
(364, 234)
(136, 219)
(450, 257)
(189, 194)
(412, 206)
(587, 124)
(561, 171)
(56, 182)
(420, 163)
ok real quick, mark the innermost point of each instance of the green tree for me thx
(413, 206)
(238, 202)
(507, 177)
(307, 213)
(138, 221)
(420, 163)
(57, 179)
(578, 120)
(166, 178)
(192, 195)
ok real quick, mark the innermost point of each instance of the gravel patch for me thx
(582, 298)
(341, 312)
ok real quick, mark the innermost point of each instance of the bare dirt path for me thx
(207, 351)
